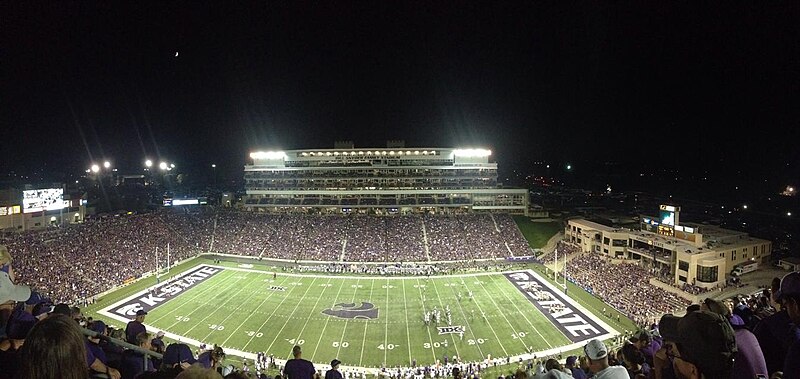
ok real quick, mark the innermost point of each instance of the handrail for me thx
(121, 343)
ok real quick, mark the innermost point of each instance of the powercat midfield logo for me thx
(160, 294)
(572, 322)
(349, 310)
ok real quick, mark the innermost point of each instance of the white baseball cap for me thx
(12, 292)
(595, 349)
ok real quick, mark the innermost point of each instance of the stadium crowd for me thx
(40, 335)
(625, 287)
(105, 252)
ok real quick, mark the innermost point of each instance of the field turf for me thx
(238, 310)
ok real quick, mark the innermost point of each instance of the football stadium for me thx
(391, 261)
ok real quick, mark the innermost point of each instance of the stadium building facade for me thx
(694, 254)
(378, 180)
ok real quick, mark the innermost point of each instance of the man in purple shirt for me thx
(299, 368)
(135, 327)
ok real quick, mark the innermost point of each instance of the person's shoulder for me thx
(613, 372)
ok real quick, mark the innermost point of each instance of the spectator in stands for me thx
(197, 372)
(213, 358)
(54, 348)
(776, 333)
(789, 295)
(135, 327)
(749, 360)
(114, 352)
(98, 327)
(635, 362)
(299, 368)
(701, 345)
(572, 366)
(597, 358)
(177, 357)
(19, 325)
(334, 373)
(10, 292)
(135, 362)
(644, 341)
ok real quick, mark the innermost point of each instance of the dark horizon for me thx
(695, 88)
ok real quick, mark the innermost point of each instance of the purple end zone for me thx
(576, 325)
(165, 291)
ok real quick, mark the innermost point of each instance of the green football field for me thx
(362, 321)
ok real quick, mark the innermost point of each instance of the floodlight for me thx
(148, 163)
(106, 164)
(469, 153)
(162, 165)
(268, 155)
(95, 168)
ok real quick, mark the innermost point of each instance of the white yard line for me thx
(341, 339)
(524, 347)
(268, 318)
(499, 341)
(235, 311)
(427, 327)
(408, 332)
(386, 332)
(452, 337)
(366, 324)
(327, 320)
(463, 314)
(315, 307)
(218, 306)
(523, 315)
(289, 318)
(106, 311)
(189, 303)
(252, 313)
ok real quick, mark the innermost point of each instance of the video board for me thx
(49, 199)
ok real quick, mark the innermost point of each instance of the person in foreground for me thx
(54, 348)
(699, 345)
(299, 368)
(597, 358)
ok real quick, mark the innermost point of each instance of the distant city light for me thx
(213, 166)
(569, 167)
(106, 164)
(172, 165)
(789, 214)
(95, 168)
(744, 206)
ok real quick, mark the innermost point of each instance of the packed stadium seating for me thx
(78, 262)
(74, 263)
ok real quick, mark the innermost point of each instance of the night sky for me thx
(641, 83)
